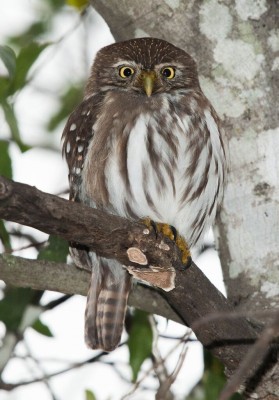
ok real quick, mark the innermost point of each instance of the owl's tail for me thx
(106, 305)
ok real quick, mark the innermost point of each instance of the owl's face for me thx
(143, 67)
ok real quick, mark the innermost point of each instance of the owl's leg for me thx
(106, 304)
(170, 232)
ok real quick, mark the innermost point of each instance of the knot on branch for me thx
(5, 188)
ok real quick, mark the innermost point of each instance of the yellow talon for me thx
(170, 232)
(183, 247)
(166, 230)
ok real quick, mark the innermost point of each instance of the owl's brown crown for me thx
(145, 51)
(143, 54)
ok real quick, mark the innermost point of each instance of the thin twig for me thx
(40, 368)
(11, 386)
(139, 381)
(28, 246)
(217, 316)
(164, 389)
(158, 363)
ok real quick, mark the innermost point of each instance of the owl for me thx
(144, 142)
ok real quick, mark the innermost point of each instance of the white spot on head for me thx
(77, 138)
(73, 127)
(80, 148)
(215, 20)
(238, 59)
(252, 9)
(68, 147)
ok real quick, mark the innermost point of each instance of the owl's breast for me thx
(152, 165)
(146, 171)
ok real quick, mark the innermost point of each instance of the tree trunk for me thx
(236, 47)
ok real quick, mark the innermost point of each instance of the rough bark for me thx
(236, 47)
(110, 236)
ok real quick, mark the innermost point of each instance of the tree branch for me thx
(110, 236)
(67, 278)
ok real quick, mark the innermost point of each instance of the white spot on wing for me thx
(73, 127)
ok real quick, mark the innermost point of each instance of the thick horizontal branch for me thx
(67, 278)
(110, 236)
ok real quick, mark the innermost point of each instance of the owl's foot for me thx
(171, 233)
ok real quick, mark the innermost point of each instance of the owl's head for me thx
(145, 66)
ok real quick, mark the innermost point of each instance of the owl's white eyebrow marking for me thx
(124, 62)
(170, 64)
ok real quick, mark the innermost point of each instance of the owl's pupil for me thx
(167, 72)
(127, 72)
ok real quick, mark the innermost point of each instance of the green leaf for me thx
(13, 305)
(68, 101)
(56, 250)
(25, 59)
(41, 328)
(140, 341)
(33, 32)
(8, 57)
(12, 122)
(5, 84)
(212, 382)
(4, 236)
(89, 395)
(79, 4)
(5, 160)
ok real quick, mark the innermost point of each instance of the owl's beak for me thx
(148, 80)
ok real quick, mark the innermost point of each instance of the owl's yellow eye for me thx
(168, 72)
(125, 72)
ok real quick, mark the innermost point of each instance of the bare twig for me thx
(158, 363)
(163, 360)
(28, 246)
(164, 389)
(11, 386)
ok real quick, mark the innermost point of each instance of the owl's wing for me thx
(76, 137)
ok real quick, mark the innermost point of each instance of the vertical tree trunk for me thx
(236, 46)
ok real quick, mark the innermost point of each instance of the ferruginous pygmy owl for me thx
(144, 142)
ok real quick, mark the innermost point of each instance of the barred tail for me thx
(106, 306)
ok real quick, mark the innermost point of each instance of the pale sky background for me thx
(60, 64)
